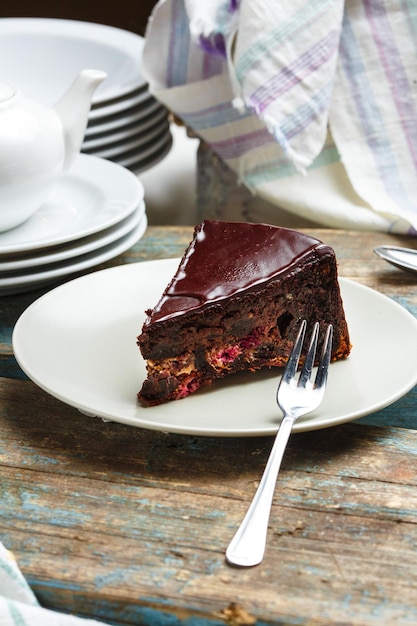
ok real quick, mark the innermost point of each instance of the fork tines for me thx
(310, 357)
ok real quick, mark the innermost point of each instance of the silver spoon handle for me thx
(248, 545)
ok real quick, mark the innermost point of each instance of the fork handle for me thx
(248, 545)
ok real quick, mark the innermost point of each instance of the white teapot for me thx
(38, 144)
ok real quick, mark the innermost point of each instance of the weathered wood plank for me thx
(102, 515)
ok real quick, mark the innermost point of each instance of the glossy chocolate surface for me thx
(227, 258)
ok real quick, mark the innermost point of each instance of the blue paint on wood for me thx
(405, 302)
(65, 518)
(48, 590)
(10, 369)
(115, 614)
(400, 414)
(117, 575)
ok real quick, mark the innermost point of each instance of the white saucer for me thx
(93, 196)
(87, 357)
(137, 138)
(143, 149)
(120, 105)
(50, 274)
(57, 254)
(135, 158)
(121, 120)
(142, 165)
(150, 124)
(59, 49)
(127, 96)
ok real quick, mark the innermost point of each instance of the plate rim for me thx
(198, 430)
(121, 120)
(144, 149)
(143, 165)
(119, 107)
(126, 41)
(130, 130)
(76, 248)
(82, 262)
(88, 169)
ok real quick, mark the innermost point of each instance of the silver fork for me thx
(295, 399)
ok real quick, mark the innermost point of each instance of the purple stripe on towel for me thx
(390, 57)
(309, 62)
(369, 117)
(176, 71)
(210, 117)
(215, 44)
(237, 146)
(308, 112)
(212, 65)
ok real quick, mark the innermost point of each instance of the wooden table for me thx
(130, 526)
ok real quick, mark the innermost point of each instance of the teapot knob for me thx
(6, 92)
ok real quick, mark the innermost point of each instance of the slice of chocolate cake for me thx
(235, 303)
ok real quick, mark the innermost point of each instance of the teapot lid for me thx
(6, 92)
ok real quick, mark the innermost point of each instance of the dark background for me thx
(125, 14)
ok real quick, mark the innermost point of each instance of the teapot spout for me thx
(73, 109)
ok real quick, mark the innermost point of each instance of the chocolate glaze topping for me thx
(226, 258)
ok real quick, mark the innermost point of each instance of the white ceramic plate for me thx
(141, 165)
(49, 274)
(87, 357)
(94, 195)
(121, 120)
(151, 124)
(85, 245)
(135, 142)
(116, 122)
(122, 104)
(135, 148)
(158, 150)
(59, 49)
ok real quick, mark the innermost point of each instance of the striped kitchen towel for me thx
(313, 103)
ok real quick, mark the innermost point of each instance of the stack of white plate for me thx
(126, 125)
(95, 212)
